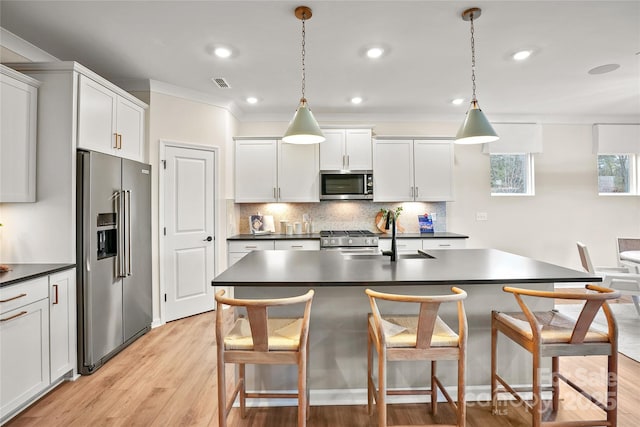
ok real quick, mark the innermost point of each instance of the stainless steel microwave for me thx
(346, 185)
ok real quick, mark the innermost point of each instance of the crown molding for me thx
(24, 48)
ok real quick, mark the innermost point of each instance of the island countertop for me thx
(448, 266)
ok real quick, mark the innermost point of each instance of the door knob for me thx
(208, 239)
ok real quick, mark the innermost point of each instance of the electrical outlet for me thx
(434, 217)
(481, 216)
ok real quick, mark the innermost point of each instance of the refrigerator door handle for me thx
(121, 234)
(128, 241)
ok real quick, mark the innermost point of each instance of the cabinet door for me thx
(130, 128)
(358, 149)
(433, 164)
(393, 171)
(256, 171)
(96, 117)
(24, 354)
(332, 150)
(298, 173)
(17, 140)
(62, 325)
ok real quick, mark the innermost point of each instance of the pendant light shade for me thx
(304, 128)
(476, 128)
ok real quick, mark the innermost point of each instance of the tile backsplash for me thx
(341, 215)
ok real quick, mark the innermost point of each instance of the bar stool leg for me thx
(222, 392)
(537, 398)
(381, 402)
(494, 355)
(243, 390)
(369, 372)
(302, 390)
(612, 388)
(555, 383)
(434, 389)
(462, 398)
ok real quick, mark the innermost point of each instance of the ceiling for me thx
(427, 59)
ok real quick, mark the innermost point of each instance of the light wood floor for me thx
(167, 378)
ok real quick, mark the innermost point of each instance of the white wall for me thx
(176, 119)
(565, 209)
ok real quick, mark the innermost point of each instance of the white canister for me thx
(283, 226)
(289, 229)
(298, 228)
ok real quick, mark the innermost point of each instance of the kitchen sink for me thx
(418, 255)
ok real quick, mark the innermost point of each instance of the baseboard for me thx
(156, 322)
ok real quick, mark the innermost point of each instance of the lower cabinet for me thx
(237, 249)
(405, 246)
(37, 338)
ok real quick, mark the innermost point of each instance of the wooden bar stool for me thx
(262, 340)
(422, 337)
(551, 334)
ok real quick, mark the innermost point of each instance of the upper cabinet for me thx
(268, 170)
(408, 170)
(18, 124)
(108, 122)
(346, 149)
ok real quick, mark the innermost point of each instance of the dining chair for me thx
(410, 337)
(262, 339)
(620, 278)
(552, 334)
(628, 250)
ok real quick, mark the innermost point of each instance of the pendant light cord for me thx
(303, 53)
(473, 61)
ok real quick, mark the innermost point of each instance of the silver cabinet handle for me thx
(412, 192)
(348, 165)
(417, 192)
(121, 234)
(22, 313)
(250, 247)
(275, 196)
(128, 201)
(278, 193)
(12, 298)
(296, 246)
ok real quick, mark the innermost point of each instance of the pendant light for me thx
(304, 128)
(475, 129)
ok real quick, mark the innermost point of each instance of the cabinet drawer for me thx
(444, 243)
(23, 293)
(402, 245)
(298, 245)
(248, 246)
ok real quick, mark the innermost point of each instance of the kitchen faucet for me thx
(391, 220)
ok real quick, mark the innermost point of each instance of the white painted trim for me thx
(340, 397)
(194, 95)
(24, 48)
(164, 143)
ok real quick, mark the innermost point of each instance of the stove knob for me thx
(367, 241)
(333, 241)
(350, 241)
(325, 241)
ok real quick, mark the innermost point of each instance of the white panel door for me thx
(332, 150)
(189, 242)
(358, 149)
(256, 171)
(298, 173)
(393, 166)
(433, 164)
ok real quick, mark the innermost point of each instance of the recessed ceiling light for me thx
(375, 52)
(602, 69)
(522, 55)
(356, 100)
(457, 101)
(222, 52)
(252, 100)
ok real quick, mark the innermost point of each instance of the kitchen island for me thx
(338, 339)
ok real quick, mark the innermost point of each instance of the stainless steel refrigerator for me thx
(113, 255)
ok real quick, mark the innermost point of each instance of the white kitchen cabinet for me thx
(62, 323)
(108, 122)
(346, 149)
(297, 245)
(444, 243)
(268, 170)
(24, 344)
(412, 170)
(18, 129)
(237, 249)
(403, 246)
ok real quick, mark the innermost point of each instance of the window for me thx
(618, 150)
(511, 174)
(615, 173)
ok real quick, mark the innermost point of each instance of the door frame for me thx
(164, 143)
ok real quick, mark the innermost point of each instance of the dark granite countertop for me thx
(316, 236)
(22, 272)
(448, 266)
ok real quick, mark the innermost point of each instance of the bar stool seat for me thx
(261, 339)
(402, 331)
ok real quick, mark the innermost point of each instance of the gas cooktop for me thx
(348, 238)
